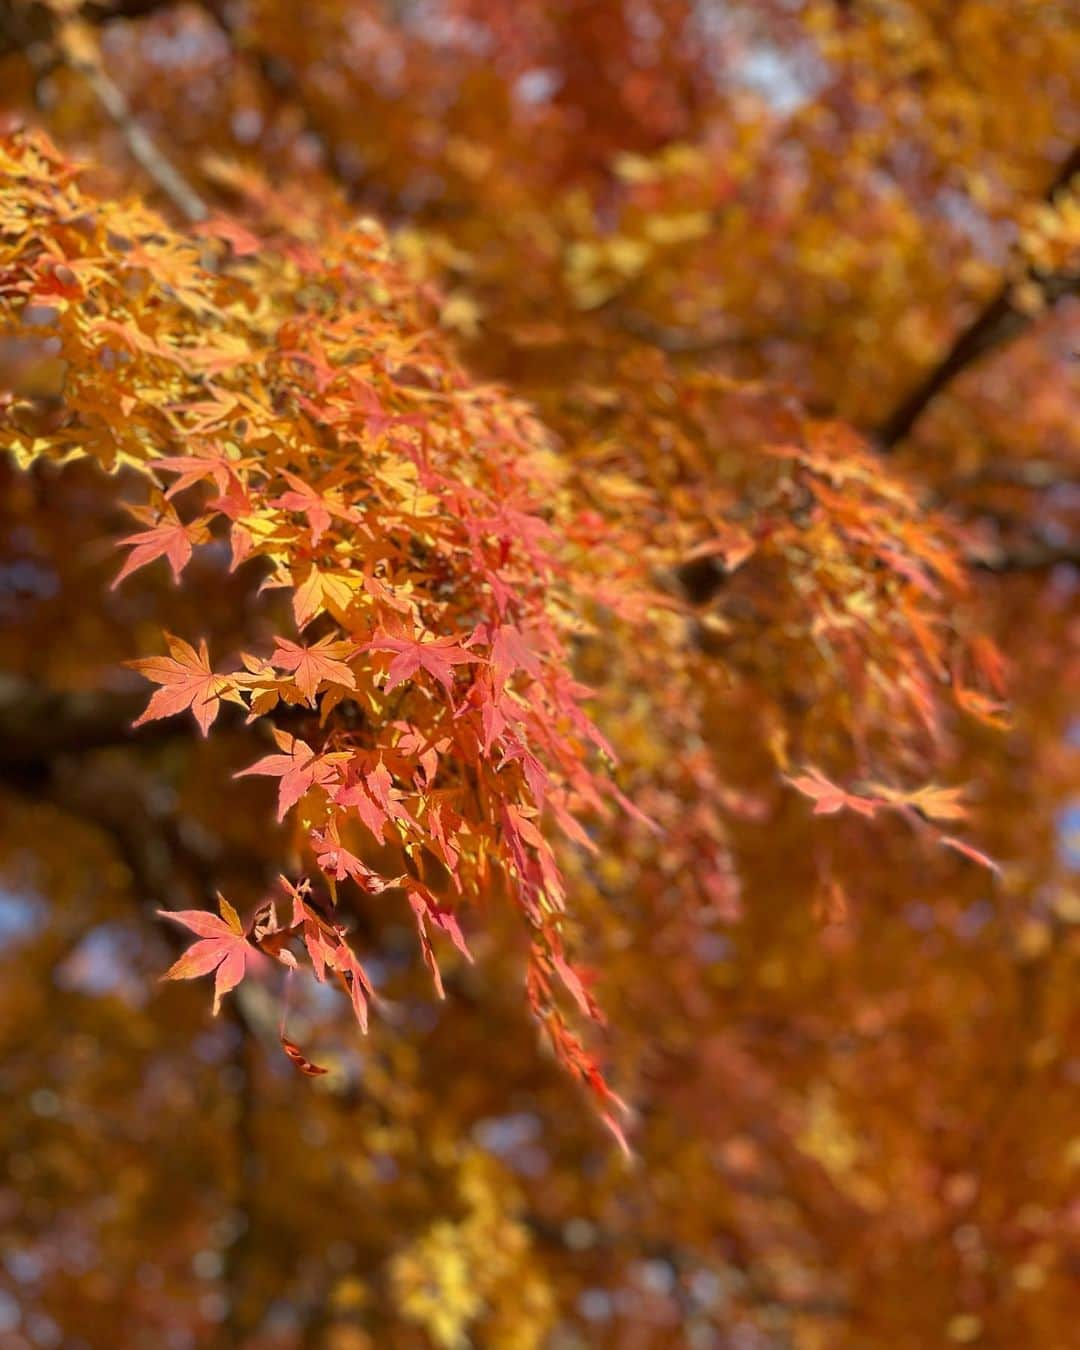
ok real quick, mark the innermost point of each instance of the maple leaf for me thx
(575, 1058)
(242, 242)
(574, 984)
(426, 909)
(187, 682)
(374, 798)
(371, 814)
(298, 1058)
(437, 656)
(320, 590)
(827, 797)
(310, 666)
(990, 662)
(989, 710)
(170, 538)
(269, 936)
(319, 507)
(731, 544)
(192, 469)
(338, 862)
(936, 803)
(355, 982)
(222, 948)
(510, 651)
(328, 949)
(298, 767)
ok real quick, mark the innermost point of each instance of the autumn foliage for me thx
(539, 519)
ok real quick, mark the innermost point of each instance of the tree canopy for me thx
(538, 587)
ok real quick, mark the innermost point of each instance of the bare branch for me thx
(999, 322)
(1033, 557)
(38, 723)
(79, 51)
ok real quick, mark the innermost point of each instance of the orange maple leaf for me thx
(169, 538)
(437, 656)
(310, 666)
(223, 948)
(827, 797)
(299, 768)
(187, 682)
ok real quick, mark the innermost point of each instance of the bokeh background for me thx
(852, 1062)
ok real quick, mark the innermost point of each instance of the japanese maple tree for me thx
(539, 575)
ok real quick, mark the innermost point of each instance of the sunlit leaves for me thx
(405, 527)
(312, 667)
(170, 538)
(186, 680)
(299, 768)
(672, 233)
(412, 653)
(222, 948)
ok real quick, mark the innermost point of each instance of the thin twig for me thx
(80, 52)
(997, 323)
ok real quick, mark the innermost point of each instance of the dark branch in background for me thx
(1030, 557)
(78, 50)
(24, 23)
(46, 41)
(239, 1249)
(686, 342)
(37, 723)
(999, 322)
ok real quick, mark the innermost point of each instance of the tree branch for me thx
(1033, 557)
(38, 724)
(79, 51)
(998, 323)
(155, 858)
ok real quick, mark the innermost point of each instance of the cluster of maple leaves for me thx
(296, 409)
(292, 405)
(685, 234)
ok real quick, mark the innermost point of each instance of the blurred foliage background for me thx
(684, 231)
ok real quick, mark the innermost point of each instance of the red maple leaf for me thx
(299, 768)
(426, 909)
(338, 862)
(510, 651)
(437, 656)
(300, 1059)
(309, 501)
(222, 948)
(328, 948)
(187, 682)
